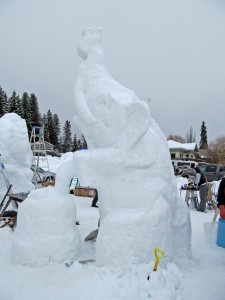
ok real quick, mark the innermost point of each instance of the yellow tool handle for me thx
(157, 257)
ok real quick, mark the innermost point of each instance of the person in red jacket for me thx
(221, 198)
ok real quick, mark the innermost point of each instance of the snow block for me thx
(221, 233)
(46, 229)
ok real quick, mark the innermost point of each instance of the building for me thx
(204, 155)
(188, 151)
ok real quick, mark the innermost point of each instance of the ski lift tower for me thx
(37, 143)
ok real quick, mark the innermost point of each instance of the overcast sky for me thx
(172, 51)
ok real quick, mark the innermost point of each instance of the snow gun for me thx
(158, 255)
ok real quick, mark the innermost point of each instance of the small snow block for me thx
(221, 233)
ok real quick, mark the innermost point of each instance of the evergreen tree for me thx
(50, 127)
(78, 144)
(56, 136)
(74, 145)
(3, 102)
(204, 141)
(26, 111)
(19, 110)
(190, 136)
(67, 140)
(83, 143)
(2, 112)
(34, 111)
(13, 102)
(60, 148)
(44, 122)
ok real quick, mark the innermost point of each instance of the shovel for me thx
(158, 255)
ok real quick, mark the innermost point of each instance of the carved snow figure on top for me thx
(128, 161)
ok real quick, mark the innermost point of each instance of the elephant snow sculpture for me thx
(128, 161)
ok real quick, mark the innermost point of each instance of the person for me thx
(95, 199)
(201, 184)
(221, 198)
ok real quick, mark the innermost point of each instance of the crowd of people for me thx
(201, 184)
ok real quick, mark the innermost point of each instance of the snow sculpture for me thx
(16, 153)
(46, 229)
(128, 162)
(46, 224)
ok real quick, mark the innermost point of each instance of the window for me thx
(210, 169)
(183, 163)
(173, 155)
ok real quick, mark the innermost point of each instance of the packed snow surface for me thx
(198, 277)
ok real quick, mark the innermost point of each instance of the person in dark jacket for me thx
(221, 198)
(95, 199)
(201, 184)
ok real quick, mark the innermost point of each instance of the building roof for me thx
(175, 145)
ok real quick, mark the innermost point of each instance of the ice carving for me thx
(128, 162)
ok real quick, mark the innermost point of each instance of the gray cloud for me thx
(170, 51)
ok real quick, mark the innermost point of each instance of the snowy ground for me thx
(203, 274)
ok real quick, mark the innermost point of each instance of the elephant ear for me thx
(138, 122)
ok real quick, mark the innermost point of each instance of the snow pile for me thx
(46, 228)
(16, 153)
(116, 284)
(128, 161)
